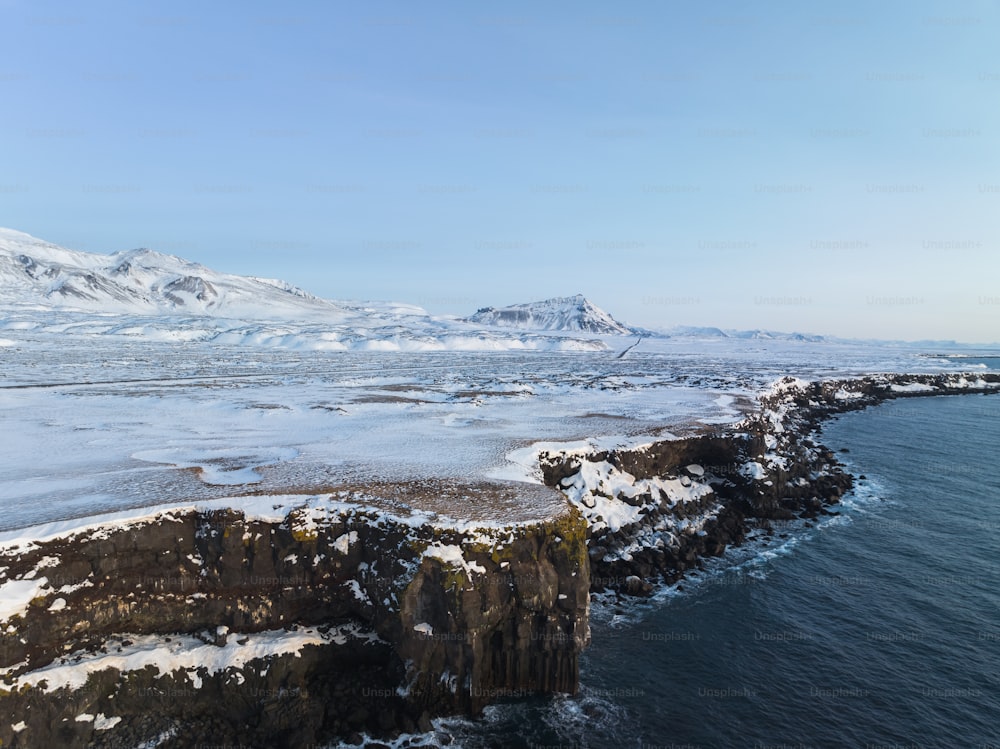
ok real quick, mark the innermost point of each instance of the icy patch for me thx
(963, 383)
(913, 387)
(847, 395)
(220, 467)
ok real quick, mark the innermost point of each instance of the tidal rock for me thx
(636, 586)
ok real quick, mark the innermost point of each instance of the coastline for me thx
(772, 466)
(678, 502)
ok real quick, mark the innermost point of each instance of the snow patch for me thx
(16, 596)
(344, 543)
(912, 387)
(183, 653)
(101, 723)
(451, 554)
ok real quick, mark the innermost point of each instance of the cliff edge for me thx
(316, 618)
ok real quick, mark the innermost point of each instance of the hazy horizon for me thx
(790, 169)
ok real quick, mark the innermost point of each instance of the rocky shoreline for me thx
(328, 618)
(689, 499)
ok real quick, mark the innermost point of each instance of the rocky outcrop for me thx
(679, 501)
(363, 623)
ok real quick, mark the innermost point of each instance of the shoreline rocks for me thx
(693, 498)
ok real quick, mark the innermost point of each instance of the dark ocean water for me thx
(877, 628)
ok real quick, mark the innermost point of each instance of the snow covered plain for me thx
(96, 422)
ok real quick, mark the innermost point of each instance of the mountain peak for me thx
(17, 236)
(569, 313)
(141, 281)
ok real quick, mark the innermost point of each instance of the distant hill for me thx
(687, 331)
(569, 313)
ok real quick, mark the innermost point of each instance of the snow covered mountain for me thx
(686, 331)
(144, 294)
(34, 272)
(570, 313)
(148, 294)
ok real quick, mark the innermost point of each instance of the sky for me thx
(812, 167)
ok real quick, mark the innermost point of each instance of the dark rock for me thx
(514, 628)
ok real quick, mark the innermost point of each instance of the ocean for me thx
(879, 627)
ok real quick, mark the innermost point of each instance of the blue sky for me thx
(830, 168)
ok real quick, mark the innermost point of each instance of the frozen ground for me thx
(96, 422)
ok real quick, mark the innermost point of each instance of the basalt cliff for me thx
(209, 626)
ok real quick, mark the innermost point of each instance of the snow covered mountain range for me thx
(138, 281)
(154, 295)
(146, 294)
(143, 281)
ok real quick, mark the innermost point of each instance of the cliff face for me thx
(303, 630)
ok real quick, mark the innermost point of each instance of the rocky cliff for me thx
(217, 627)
